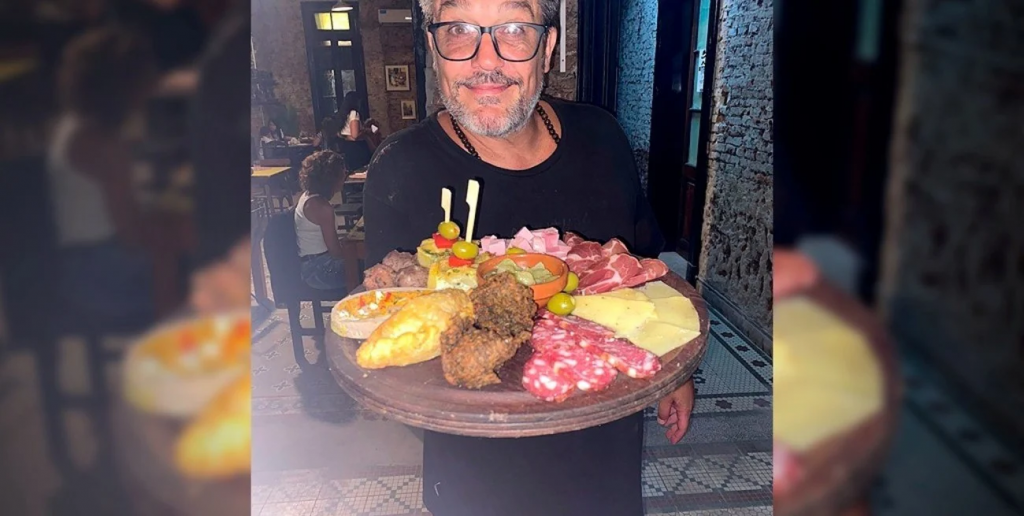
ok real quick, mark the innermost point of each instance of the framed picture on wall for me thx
(408, 110)
(397, 78)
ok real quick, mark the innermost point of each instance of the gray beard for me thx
(515, 119)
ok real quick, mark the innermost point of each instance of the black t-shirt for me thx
(590, 186)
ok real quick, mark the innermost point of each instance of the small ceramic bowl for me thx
(542, 292)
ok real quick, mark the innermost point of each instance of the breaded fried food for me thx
(413, 334)
(217, 443)
(503, 305)
(470, 356)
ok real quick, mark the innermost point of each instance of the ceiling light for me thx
(342, 6)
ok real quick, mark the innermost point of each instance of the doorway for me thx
(334, 52)
(680, 116)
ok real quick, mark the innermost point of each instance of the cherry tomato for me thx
(561, 304)
(572, 283)
(442, 242)
(465, 250)
(515, 250)
(449, 230)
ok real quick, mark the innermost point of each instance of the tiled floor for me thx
(317, 453)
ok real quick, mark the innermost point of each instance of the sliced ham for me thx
(614, 246)
(650, 270)
(582, 256)
(572, 239)
(609, 274)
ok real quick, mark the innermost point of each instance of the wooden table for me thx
(419, 396)
(838, 473)
(262, 176)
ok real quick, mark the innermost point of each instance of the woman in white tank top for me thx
(105, 77)
(323, 174)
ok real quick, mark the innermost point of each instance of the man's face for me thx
(488, 95)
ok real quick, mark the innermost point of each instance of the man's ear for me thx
(549, 47)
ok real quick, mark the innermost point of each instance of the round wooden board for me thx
(838, 473)
(419, 396)
(144, 446)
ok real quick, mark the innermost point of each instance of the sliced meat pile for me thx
(603, 268)
(571, 353)
(542, 241)
(395, 270)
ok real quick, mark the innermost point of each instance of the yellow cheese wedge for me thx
(660, 337)
(624, 316)
(627, 293)
(659, 290)
(677, 311)
(826, 377)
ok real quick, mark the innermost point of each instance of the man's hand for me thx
(674, 412)
(792, 273)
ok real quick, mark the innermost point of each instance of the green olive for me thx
(465, 250)
(515, 250)
(561, 304)
(572, 283)
(449, 230)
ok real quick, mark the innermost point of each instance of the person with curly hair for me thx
(323, 174)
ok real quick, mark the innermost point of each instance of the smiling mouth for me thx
(489, 88)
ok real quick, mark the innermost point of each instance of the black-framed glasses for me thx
(515, 42)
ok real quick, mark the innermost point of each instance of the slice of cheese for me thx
(677, 311)
(624, 316)
(660, 337)
(826, 376)
(627, 293)
(659, 290)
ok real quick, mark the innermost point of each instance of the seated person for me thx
(372, 133)
(323, 174)
(105, 269)
(266, 136)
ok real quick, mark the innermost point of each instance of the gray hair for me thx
(548, 10)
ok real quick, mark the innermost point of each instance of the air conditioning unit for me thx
(394, 15)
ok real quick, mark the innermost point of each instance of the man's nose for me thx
(487, 57)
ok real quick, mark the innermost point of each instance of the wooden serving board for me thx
(838, 473)
(419, 396)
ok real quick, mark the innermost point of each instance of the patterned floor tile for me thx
(288, 509)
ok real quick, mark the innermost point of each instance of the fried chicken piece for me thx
(470, 356)
(379, 276)
(503, 305)
(412, 276)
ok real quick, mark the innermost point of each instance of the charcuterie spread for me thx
(827, 381)
(590, 312)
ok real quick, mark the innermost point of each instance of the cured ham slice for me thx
(650, 270)
(583, 256)
(614, 246)
(609, 274)
(571, 239)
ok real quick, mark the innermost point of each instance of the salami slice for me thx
(547, 334)
(786, 471)
(589, 371)
(623, 355)
(542, 380)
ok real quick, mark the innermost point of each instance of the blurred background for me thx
(123, 133)
(898, 171)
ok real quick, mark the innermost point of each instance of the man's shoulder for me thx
(587, 115)
(407, 144)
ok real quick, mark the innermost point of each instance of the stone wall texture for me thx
(280, 46)
(637, 45)
(559, 84)
(953, 257)
(735, 260)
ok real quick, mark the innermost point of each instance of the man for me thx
(540, 164)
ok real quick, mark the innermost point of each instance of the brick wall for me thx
(735, 260)
(954, 252)
(637, 40)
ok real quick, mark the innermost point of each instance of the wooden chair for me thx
(284, 265)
